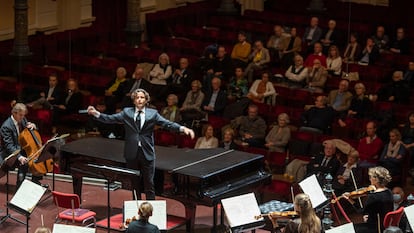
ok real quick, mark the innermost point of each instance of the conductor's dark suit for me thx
(139, 143)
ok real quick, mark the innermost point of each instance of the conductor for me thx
(139, 122)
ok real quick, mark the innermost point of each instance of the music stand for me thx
(7, 164)
(110, 174)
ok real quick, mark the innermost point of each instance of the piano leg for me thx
(190, 212)
(77, 185)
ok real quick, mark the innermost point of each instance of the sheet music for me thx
(27, 196)
(409, 212)
(159, 214)
(346, 228)
(62, 228)
(311, 187)
(241, 210)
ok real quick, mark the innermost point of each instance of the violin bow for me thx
(356, 188)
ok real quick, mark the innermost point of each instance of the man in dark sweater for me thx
(318, 118)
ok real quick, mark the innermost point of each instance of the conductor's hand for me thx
(189, 132)
(92, 111)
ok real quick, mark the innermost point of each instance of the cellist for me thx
(9, 134)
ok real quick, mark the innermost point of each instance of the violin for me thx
(127, 222)
(355, 194)
(278, 214)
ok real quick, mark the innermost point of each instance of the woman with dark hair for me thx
(353, 49)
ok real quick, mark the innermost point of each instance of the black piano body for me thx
(204, 176)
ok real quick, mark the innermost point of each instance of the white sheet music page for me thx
(27, 196)
(346, 228)
(311, 187)
(62, 228)
(241, 210)
(159, 213)
(409, 212)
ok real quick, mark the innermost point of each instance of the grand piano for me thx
(203, 176)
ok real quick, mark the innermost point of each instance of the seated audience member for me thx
(397, 91)
(352, 50)
(407, 135)
(241, 51)
(296, 74)
(330, 37)
(380, 39)
(274, 44)
(262, 90)
(111, 99)
(370, 54)
(279, 136)
(400, 201)
(344, 181)
(334, 61)
(324, 163)
(251, 128)
(316, 55)
(215, 100)
(400, 45)
(126, 88)
(159, 76)
(181, 80)
(228, 140)
(259, 58)
(312, 34)
(290, 46)
(220, 67)
(142, 225)
(316, 78)
(393, 154)
(191, 108)
(340, 99)
(409, 74)
(319, 118)
(370, 146)
(208, 140)
(171, 112)
(238, 86)
(49, 97)
(361, 106)
(94, 127)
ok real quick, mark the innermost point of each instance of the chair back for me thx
(66, 200)
(393, 218)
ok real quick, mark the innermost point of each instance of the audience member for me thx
(274, 44)
(241, 51)
(409, 74)
(316, 55)
(324, 163)
(221, 67)
(400, 45)
(159, 75)
(407, 135)
(334, 61)
(126, 88)
(208, 140)
(316, 78)
(228, 140)
(290, 45)
(397, 91)
(319, 118)
(251, 128)
(340, 99)
(330, 37)
(259, 58)
(262, 90)
(191, 108)
(380, 39)
(296, 74)
(171, 111)
(181, 80)
(238, 86)
(215, 100)
(370, 146)
(111, 91)
(94, 127)
(400, 201)
(361, 106)
(344, 181)
(352, 50)
(49, 97)
(279, 136)
(312, 34)
(393, 154)
(370, 54)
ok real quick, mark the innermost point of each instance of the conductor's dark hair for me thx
(136, 91)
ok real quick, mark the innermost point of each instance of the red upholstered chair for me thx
(72, 211)
(393, 218)
(184, 141)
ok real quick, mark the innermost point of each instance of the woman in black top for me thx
(142, 225)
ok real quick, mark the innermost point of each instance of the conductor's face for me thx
(140, 100)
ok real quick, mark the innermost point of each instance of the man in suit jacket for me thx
(215, 100)
(324, 163)
(139, 122)
(340, 99)
(50, 96)
(9, 135)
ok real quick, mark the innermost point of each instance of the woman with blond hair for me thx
(334, 61)
(142, 225)
(208, 140)
(279, 135)
(159, 76)
(308, 221)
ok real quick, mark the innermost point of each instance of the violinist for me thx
(142, 225)
(308, 221)
(9, 134)
(344, 180)
(378, 203)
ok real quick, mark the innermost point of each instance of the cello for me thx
(31, 143)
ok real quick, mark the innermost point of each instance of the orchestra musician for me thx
(307, 222)
(9, 134)
(142, 225)
(139, 122)
(378, 203)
